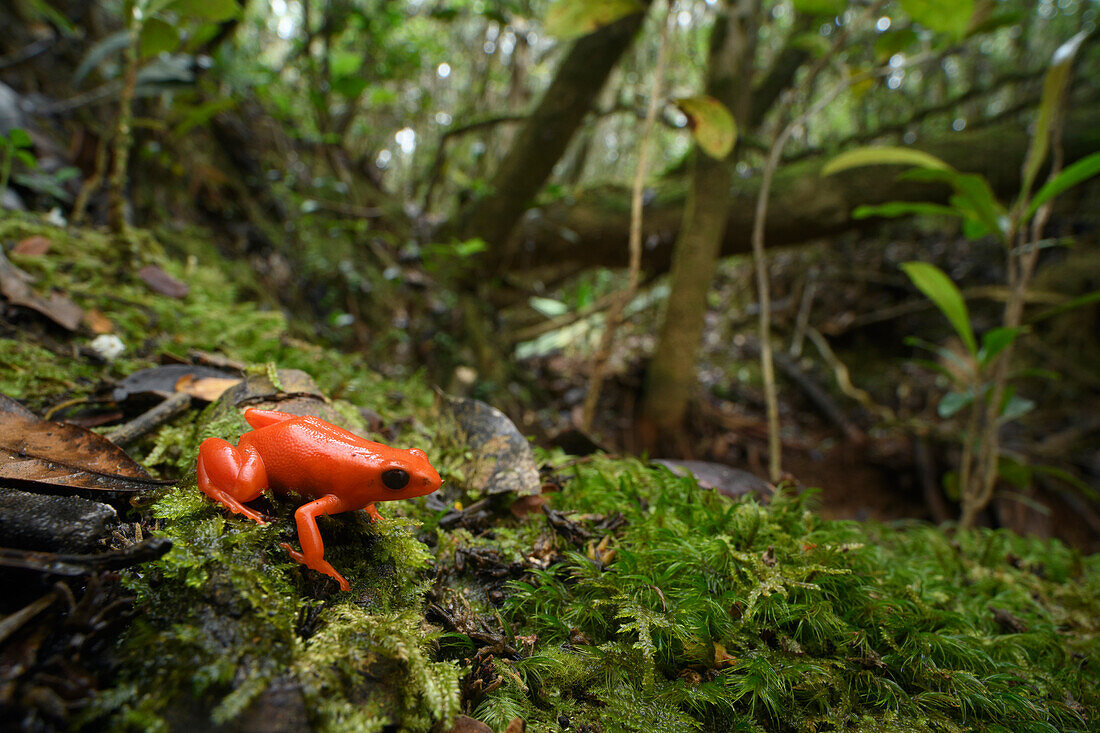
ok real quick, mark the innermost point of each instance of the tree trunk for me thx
(544, 136)
(671, 378)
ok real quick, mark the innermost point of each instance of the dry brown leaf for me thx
(162, 380)
(58, 308)
(525, 505)
(163, 283)
(99, 323)
(466, 724)
(33, 246)
(722, 658)
(39, 452)
(205, 388)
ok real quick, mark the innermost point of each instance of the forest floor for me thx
(858, 408)
(609, 595)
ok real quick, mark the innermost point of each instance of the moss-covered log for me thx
(590, 227)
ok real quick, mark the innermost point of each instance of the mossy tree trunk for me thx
(671, 376)
(543, 138)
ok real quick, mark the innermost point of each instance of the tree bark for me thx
(544, 136)
(591, 228)
(671, 379)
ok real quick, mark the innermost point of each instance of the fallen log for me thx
(590, 227)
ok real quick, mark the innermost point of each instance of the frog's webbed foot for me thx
(231, 475)
(313, 549)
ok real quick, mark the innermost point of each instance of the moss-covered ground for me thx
(638, 603)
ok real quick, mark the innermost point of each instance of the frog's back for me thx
(311, 456)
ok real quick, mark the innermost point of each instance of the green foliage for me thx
(573, 18)
(946, 16)
(981, 380)
(213, 11)
(820, 7)
(712, 125)
(1077, 172)
(883, 155)
(1055, 83)
(732, 616)
(932, 281)
(14, 146)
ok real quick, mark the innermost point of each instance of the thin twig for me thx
(844, 379)
(614, 314)
(116, 210)
(150, 420)
(93, 182)
(27, 53)
(766, 366)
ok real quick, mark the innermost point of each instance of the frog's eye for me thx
(395, 479)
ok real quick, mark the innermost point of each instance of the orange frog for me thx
(313, 457)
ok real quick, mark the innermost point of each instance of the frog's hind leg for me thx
(313, 549)
(262, 418)
(231, 475)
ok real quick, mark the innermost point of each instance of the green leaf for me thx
(1086, 299)
(26, 158)
(711, 124)
(945, 16)
(892, 42)
(157, 36)
(952, 402)
(1054, 85)
(1069, 478)
(1014, 472)
(811, 42)
(951, 485)
(343, 63)
(19, 138)
(349, 87)
(548, 306)
(1015, 407)
(934, 366)
(99, 53)
(988, 17)
(946, 354)
(820, 7)
(1080, 171)
(976, 192)
(894, 209)
(67, 173)
(202, 114)
(214, 11)
(996, 340)
(1036, 373)
(885, 155)
(470, 247)
(974, 198)
(574, 18)
(932, 281)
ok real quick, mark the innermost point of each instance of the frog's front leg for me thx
(231, 475)
(313, 549)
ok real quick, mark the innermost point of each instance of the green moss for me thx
(223, 613)
(700, 614)
(725, 616)
(382, 659)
